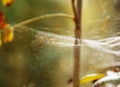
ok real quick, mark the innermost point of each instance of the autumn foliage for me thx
(5, 28)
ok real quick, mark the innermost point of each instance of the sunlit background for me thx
(41, 54)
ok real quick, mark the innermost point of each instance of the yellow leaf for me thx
(7, 3)
(91, 77)
(8, 34)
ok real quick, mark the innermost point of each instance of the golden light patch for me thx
(105, 24)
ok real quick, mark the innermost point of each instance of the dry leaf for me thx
(8, 34)
(2, 21)
(7, 3)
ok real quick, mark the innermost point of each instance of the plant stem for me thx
(43, 17)
(77, 9)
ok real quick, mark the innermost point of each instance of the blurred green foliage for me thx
(22, 10)
(29, 59)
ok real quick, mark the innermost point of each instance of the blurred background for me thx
(36, 57)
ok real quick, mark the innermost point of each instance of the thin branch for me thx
(77, 7)
(74, 10)
(43, 17)
(79, 12)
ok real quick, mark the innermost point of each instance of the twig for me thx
(77, 19)
(42, 17)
